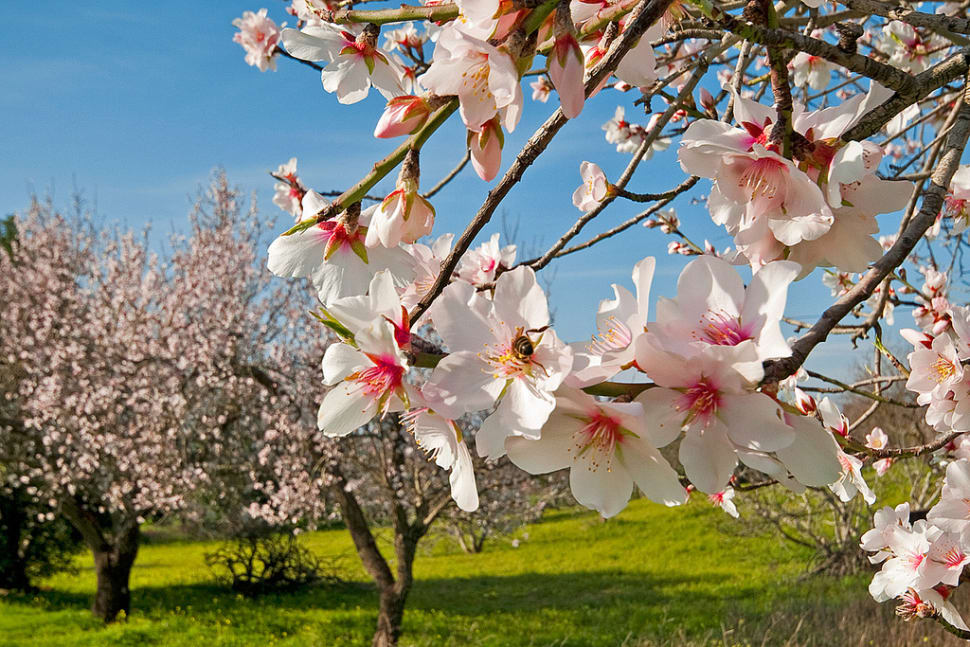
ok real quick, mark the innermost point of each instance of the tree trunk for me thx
(113, 566)
(13, 566)
(390, 618)
(114, 545)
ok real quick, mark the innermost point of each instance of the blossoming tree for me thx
(805, 120)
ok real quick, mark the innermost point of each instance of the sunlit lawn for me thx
(649, 574)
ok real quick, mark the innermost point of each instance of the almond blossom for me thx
(725, 501)
(907, 48)
(566, 67)
(541, 89)
(952, 512)
(501, 350)
(956, 205)
(258, 35)
(851, 481)
(381, 303)
(354, 62)
(367, 380)
(333, 253)
(289, 192)
(594, 189)
(877, 439)
(762, 199)
(710, 398)
(812, 71)
(481, 264)
(427, 260)
(607, 449)
(402, 116)
(403, 216)
(619, 322)
(713, 307)
(485, 147)
(484, 78)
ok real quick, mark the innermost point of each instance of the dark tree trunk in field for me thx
(13, 566)
(393, 589)
(390, 619)
(114, 544)
(113, 566)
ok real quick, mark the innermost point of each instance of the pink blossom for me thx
(606, 448)
(367, 380)
(289, 193)
(258, 35)
(594, 189)
(541, 89)
(481, 264)
(713, 307)
(501, 351)
(709, 397)
(566, 71)
(484, 78)
(354, 63)
(333, 254)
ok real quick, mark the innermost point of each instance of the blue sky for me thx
(136, 103)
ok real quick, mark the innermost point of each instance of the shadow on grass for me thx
(627, 602)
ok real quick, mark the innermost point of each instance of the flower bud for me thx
(402, 116)
(486, 149)
(805, 403)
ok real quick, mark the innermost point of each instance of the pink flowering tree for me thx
(827, 139)
(136, 378)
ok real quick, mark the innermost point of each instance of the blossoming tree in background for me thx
(805, 120)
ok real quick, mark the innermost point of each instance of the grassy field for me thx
(651, 576)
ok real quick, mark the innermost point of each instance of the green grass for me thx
(646, 575)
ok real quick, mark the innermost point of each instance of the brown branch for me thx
(889, 76)
(683, 187)
(917, 450)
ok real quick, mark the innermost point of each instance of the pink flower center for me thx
(943, 369)
(758, 132)
(512, 358)
(597, 441)
(954, 558)
(613, 335)
(915, 560)
(338, 237)
(402, 331)
(721, 329)
(765, 177)
(700, 401)
(380, 379)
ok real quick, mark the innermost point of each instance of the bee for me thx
(523, 346)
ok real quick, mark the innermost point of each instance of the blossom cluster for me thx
(922, 560)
